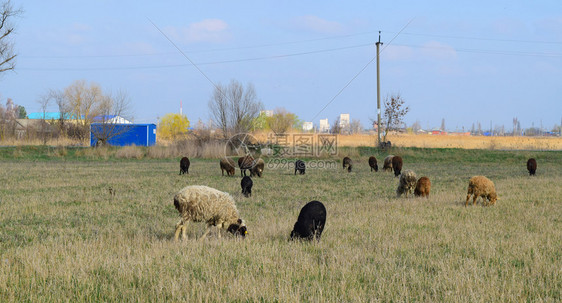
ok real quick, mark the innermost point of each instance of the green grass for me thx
(64, 238)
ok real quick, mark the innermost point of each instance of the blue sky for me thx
(466, 62)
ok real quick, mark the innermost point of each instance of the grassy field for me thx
(63, 237)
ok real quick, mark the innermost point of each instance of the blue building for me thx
(123, 134)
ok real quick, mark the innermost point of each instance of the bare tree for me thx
(355, 127)
(233, 108)
(394, 113)
(113, 107)
(336, 127)
(84, 101)
(44, 104)
(7, 54)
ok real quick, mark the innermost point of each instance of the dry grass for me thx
(63, 237)
(453, 141)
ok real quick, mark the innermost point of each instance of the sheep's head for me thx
(238, 228)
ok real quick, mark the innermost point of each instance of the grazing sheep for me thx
(300, 166)
(200, 203)
(258, 167)
(397, 165)
(347, 162)
(184, 165)
(246, 185)
(422, 187)
(480, 186)
(407, 183)
(311, 221)
(532, 166)
(387, 166)
(228, 165)
(245, 163)
(373, 163)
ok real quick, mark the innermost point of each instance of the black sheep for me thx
(311, 221)
(532, 166)
(184, 165)
(300, 166)
(347, 162)
(373, 163)
(397, 165)
(246, 185)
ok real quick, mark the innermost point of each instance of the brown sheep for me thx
(258, 167)
(422, 187)
(532, 166)
(227, 164)
(480, 186)
(245, 163)
(397, 165)
(373, 163)
(387, 166)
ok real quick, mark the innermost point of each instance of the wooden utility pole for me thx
(378, 92)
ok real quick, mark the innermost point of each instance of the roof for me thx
(49, 116)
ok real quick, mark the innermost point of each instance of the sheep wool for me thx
(200, 203)
(480, 186)
(387, 164)
(407, 183)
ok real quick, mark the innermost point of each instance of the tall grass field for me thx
(65, 237)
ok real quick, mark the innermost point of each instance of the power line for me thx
(359, 73)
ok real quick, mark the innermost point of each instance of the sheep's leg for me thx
(474, 199)
(183, 231)
(467, 198)
(179, 227)
(206, 232)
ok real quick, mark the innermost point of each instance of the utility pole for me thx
(378, 92)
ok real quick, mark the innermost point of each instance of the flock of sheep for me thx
(199, 203)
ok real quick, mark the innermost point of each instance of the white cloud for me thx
(439, 51)
(317, 24)
(398, 52)
(208, 30)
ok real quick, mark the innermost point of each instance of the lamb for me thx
(422, 187)
(407, 183)
(228, 165)
(532, 166)
(311, 221)
(300, 166)
(480, 186)
(397, 165)
(373, 163)
(246, 185)
(387, 166)
(200, 203)
(184, 165)
(347, 162)
(245, 163)
(257, 168)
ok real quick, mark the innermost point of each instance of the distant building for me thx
(123, 134)
(113, 119)
(324, 126)
(344, 121)
(267, 113)
(307, 126)
(49, 116)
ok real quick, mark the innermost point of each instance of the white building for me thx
(324, 126)
(344, 121)
(307, 126)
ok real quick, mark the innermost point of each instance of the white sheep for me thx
(407, 183)
(200, 203)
